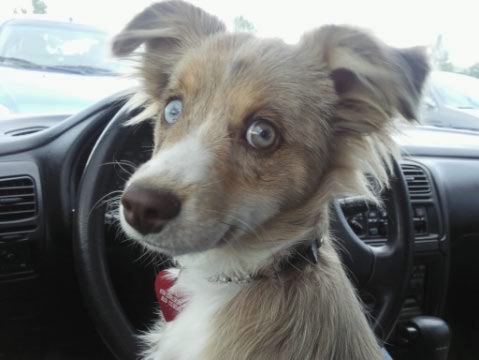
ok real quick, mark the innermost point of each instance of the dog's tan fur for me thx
(332, 98)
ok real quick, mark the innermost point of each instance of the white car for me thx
(56, 67)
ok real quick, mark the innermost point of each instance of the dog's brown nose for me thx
(148, 210)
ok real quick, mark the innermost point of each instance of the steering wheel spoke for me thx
(358, 257)
(382, 272)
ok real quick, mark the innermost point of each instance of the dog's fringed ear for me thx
(374, 82)
(166, 24)
(167, 29)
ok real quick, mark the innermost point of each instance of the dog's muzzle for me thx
(148, 210)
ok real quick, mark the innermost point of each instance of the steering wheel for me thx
(383, 272)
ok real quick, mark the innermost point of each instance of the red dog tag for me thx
(170, 302)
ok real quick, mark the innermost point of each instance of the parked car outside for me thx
(50, 66)
(452, 101)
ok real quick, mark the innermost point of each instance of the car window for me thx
(55, 45)
(76, 41)
(457, 91)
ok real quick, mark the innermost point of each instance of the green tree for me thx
(473, 70)
(39, 7)
(241, 24)
(440, 55)
(446, 66)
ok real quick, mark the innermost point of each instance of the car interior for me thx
(46, 265)
(73, 286)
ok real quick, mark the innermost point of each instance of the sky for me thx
(400, 23)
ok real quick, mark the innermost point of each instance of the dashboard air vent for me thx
(417, 181)
(17, 199)
(26, 131)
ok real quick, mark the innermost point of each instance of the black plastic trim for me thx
(12, 145)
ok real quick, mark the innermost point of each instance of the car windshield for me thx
(56, 46)
(457, 91)
(41, 39)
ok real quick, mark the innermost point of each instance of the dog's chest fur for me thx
(304, 315)
(186, 337)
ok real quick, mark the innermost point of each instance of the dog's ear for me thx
(165, 25)
(373, 81)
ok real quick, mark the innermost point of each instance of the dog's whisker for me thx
(209, 184)
(121, 163)
(103, 200)
(124, 170)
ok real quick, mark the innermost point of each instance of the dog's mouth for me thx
(154, 242)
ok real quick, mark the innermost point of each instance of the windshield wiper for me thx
(19, 61)
(83, 69)
(74, 69)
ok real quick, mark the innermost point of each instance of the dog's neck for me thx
(238, 261)
(296, 258)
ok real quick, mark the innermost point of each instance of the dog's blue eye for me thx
(173, 111)
(261, 134)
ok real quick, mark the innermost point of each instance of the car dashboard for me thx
(41, 163)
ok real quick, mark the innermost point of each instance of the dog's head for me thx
(248, 130)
